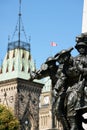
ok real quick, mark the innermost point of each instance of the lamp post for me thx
(26, 124)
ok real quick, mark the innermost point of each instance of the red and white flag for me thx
(53, 44)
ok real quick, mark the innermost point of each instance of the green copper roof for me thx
(17, 63)
(47, 84)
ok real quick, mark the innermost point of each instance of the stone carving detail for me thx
(27, 106)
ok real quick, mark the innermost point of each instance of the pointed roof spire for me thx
(19, 23)
(19, 29)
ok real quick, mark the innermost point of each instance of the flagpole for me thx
(52, 45)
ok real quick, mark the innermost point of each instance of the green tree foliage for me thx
(7, 120)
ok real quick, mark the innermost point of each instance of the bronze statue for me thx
(69, 83)
(76, 97)
(48, 68)
(65, 61)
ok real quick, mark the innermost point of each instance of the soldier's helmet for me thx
(80, 44)
(82, 38)
(63, 52)
(50, 60)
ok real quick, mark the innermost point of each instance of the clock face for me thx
(46, 100)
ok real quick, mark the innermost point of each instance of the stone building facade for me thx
(47, 118)
(16, 91)
(31, 101)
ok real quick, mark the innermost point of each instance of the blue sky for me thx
(45, 21)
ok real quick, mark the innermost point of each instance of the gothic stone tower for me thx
(16, 91)
(22, 97)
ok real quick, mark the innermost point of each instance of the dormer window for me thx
(13, 54)
(23, 55)
(29, 57)
(0, 70)
(7, 55)
(22, 68)
(7, 69)
(29, 70)
(13, 68)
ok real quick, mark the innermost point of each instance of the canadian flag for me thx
(53, 44)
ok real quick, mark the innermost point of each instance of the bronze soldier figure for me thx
(49, 68)
(76, 94)
(81, 65)
(65, 61)
(69, 83)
